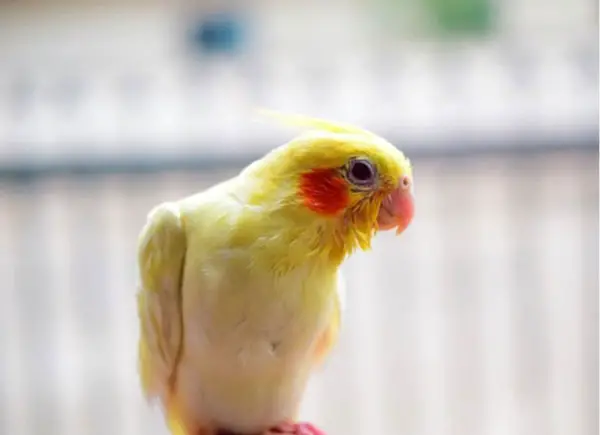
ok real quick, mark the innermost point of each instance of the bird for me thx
(241, 296)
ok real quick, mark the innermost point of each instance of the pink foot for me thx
(295, 429)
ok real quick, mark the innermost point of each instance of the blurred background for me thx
(482, 319)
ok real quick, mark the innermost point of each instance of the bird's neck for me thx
(295, 234)
(297, 237)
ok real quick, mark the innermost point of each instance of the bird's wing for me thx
(341, 291)
(330, 336)
(161, 256)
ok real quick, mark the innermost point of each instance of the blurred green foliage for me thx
(438, 18)
(461, 17)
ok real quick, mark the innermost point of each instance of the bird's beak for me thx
(398, 208)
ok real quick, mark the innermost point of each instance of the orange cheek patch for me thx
(324, 191)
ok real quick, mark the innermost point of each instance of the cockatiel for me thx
(240, 292)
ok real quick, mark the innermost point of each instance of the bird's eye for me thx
(361, 172)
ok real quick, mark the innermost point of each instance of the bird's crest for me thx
(318, 124)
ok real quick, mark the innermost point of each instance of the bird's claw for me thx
(294, 429)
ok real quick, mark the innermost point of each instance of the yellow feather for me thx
(298, 120)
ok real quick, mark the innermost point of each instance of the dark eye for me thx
(361, 172)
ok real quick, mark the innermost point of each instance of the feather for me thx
(297, 120)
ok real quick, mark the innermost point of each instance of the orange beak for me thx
(398, 208)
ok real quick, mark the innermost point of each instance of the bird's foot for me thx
(288, 428)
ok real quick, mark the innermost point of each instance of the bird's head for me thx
(344, 182)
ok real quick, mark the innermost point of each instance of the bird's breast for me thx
(249, 341)
(255, 318)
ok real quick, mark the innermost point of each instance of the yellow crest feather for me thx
(297, 120)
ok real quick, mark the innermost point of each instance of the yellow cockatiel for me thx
(240, 294)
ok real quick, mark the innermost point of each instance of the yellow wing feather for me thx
(161, 255)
